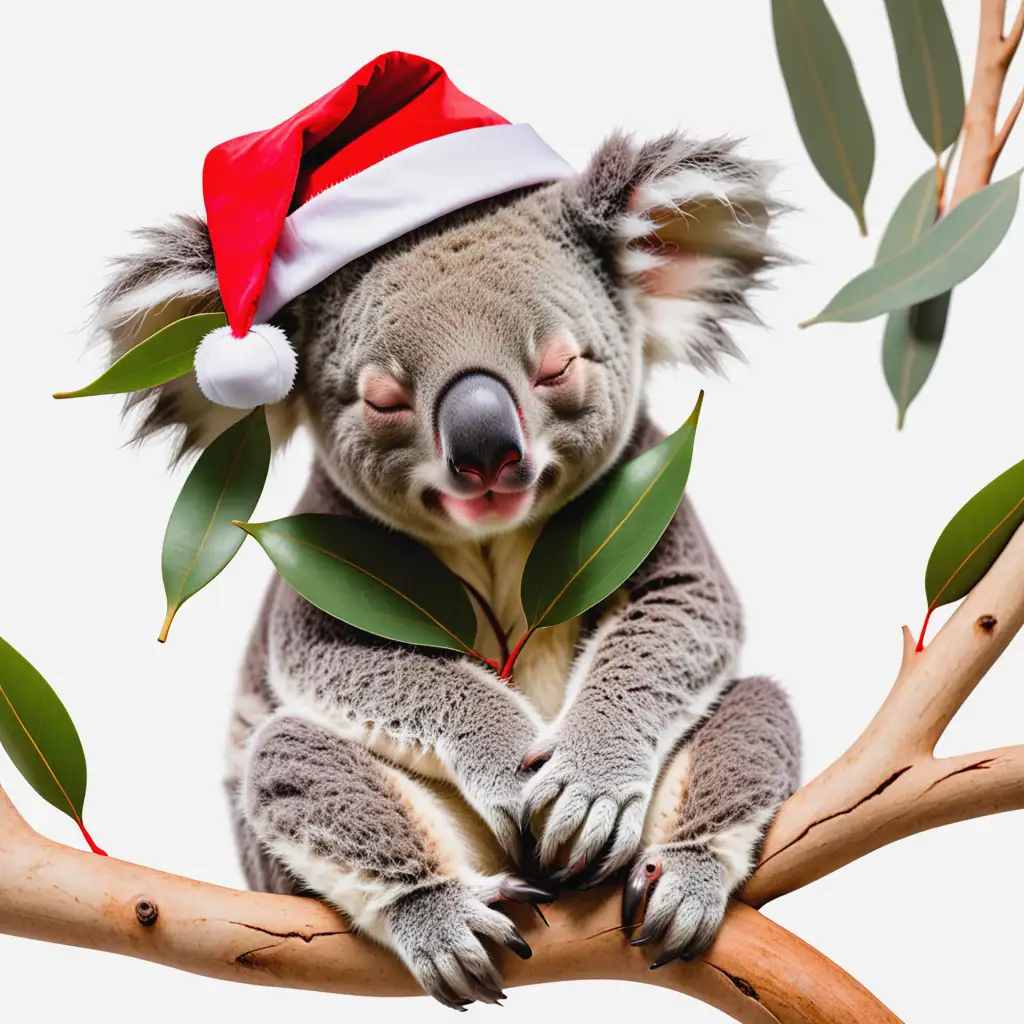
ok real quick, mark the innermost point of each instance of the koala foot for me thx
(436, 930)
(682, 889)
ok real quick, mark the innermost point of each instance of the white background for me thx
(824, 514)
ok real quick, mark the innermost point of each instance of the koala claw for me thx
(597, 823)
(683, 894)
(516, 890)
(437, 930)
(641, 882)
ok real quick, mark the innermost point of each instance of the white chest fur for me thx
(495, 571)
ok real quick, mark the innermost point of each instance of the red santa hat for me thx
(393, 148)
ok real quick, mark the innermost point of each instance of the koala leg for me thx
(374, 842)
(715, 799)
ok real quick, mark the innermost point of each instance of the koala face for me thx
(471, 379)
(479, 373)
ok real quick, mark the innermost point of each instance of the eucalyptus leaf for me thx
(40, 738)
(826, 99)
(591, 547)
(974, 537)
(225, 484)
(929, 69)
(163, 356)
(942, 257)
(910, 347)
(912, 337)
(370, 577)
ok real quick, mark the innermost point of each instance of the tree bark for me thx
(757, 972)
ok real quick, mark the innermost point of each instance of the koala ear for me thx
(686, 225)
(171, 275)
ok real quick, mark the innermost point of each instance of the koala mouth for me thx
(490, 508)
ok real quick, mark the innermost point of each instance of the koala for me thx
(461, 384)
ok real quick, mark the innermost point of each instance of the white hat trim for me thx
(400, 193)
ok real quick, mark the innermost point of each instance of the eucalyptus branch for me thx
(757, 972)
(1011, 120)
(889, 784)
(982, 144)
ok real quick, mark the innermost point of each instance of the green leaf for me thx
(590, 548)
(225, 484)
(974, 537)
(161, 357)
(941, 258)
(40, 738)
(370, 577)
(929, 69)
(910, 347)
(912, 337)
(826, 99)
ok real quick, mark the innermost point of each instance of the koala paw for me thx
(436, 930)
(684, 889)
(596, 807)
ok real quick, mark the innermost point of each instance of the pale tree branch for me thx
(1011, 120)
(1011, 41)
(889, 784)
(982, 144)
(757, 972)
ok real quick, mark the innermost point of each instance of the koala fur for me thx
(399, 783)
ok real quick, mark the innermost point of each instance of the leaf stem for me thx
(88, 838)
(492, 619)
(510, 661)
(924, 629)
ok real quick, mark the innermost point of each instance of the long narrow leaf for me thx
(912, 337)
(974, 537)
(941, 258)
(370, 577)
(590, 548)
(40, 738)
(225, 484)
(163, 356)
(929, 69)
(826, 99)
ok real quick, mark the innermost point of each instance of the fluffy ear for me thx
(171, 275)
(687, 227)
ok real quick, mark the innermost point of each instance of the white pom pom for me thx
(242, 373)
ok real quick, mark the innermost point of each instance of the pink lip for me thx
(490, 507)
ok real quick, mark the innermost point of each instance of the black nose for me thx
(479, 428)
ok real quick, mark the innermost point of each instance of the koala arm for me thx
(430, 710)
(651, 671)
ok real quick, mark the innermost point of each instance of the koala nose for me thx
(479, 429)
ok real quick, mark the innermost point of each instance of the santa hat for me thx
(391, 149)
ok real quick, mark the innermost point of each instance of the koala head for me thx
(477, 374)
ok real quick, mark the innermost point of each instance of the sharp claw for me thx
(661, 961)
(644, 940)
(636, 888)
(523, 892)
(633, 893)
(519, 946)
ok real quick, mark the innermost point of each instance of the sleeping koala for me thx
(462, 383)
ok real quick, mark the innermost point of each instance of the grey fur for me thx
(353, 757)
(308, 787)
(658, 664)
(745, 760)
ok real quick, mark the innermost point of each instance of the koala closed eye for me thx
(385, 399)
(559, 363)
